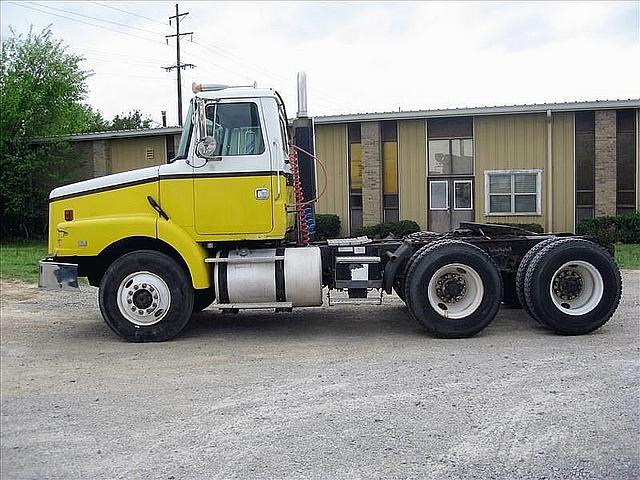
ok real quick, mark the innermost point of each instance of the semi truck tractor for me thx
(225, 224)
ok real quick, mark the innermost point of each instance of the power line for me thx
(108, 55)
(124, 62)
(129, 13)
(127, 75)
(96, 18)
(86, 23)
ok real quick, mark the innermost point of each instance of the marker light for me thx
(197, 87)
(68, 215)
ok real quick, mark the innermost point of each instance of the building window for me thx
(625, 161)
(513, 192)
(585, 154)
(451, 157)
(450, 146)
(389, 137)
(462, 195)
(439, 195)
(355, 176)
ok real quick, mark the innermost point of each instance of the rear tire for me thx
(573, 286)
(522, 273)
(453, 289)
(146, 296)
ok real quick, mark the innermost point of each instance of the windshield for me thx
(185, 139)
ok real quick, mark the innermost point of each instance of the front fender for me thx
(191, 251)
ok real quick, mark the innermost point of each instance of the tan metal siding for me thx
(562, 143)
(412, 175)
(331, 150)
(131, 153)
(508, 142)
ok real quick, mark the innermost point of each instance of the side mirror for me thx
(206, 144)
(206, 147)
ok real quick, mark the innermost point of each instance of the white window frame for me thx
(455, 206)
(513, 173)
(446, 189)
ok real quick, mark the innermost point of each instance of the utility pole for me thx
(178, 66)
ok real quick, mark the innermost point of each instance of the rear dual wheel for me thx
(453, 289)
(522, 273)
(572, 286)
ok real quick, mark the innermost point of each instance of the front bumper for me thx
(57, 276)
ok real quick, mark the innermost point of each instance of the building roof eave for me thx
(471, 111)
(81, 137)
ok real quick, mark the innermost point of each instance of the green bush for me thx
(530, 227)
(383, 230)
(619, 229)
(327, 226)
(371, 231)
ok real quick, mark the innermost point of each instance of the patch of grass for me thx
(19, 259)
(628, 256)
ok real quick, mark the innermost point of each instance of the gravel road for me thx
(340, 392)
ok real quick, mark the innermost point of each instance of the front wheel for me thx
(146, 296)
(453, 289)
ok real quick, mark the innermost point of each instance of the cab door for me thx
(233, 193)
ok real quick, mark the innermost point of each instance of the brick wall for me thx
(84, 152)
(371, 173)
(101, 157)
(605, 163)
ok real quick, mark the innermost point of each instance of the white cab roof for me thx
(237, 92)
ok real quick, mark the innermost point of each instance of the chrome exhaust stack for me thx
(302, 95)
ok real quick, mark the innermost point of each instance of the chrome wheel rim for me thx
(455, 291)
(576, 288)
(143, 298)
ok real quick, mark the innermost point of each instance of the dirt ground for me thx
(330, 392)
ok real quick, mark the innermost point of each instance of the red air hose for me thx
(303, 230)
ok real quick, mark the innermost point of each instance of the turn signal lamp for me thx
(68, 215)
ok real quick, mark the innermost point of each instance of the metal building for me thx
(551, 164)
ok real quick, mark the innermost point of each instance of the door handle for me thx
(262, 193)
(275, 149)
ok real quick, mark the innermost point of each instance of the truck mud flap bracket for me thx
(397, 259)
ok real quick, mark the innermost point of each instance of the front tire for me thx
(453, 289)
(573, 286)
(146, 296)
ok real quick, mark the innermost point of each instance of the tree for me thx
(131, 121)
(42, 89)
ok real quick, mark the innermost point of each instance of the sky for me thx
(358, 56)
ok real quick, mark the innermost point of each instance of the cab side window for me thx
(236, 128)
(283, 134)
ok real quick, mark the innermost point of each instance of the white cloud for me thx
(361, 56)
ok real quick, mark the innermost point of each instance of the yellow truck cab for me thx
(225, 223)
